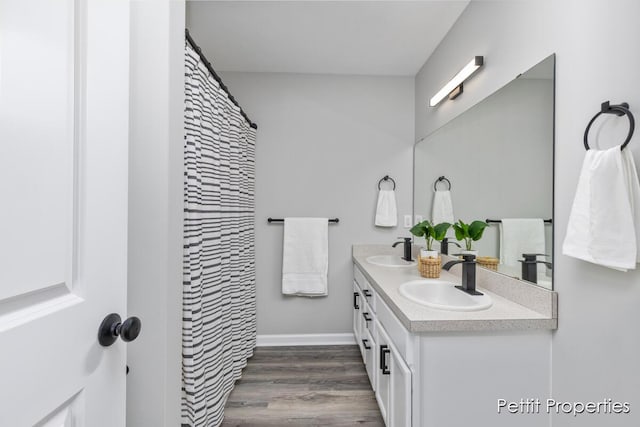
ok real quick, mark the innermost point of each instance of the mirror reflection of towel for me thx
(386, 211)
(442, 210)
(605, 216)
(522, 236)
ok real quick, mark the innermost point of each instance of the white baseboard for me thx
(305, 339)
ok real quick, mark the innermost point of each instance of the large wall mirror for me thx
(498, 158)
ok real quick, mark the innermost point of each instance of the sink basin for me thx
(390, 261)
(443, 295)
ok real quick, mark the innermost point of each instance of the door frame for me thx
(156, 211)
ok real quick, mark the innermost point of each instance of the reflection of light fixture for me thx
(455, 84)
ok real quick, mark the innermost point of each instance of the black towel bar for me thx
(497, 221)
(270, 220)
(618, 110)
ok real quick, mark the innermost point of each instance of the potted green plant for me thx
(430, 232)
(469, 233)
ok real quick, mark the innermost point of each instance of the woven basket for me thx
(430, 267)
(488, 262)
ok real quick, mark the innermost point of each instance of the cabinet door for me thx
(400, 391)
(393, 383)
(370, 359)
(382, 383)
(356, 304)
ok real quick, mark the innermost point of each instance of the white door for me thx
(63, 210)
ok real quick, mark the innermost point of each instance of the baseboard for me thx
(305, 339)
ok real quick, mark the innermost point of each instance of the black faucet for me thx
(468, 273)
(407, 247)
(444, 246)
(530, 267)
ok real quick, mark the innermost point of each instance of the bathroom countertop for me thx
(516, 304)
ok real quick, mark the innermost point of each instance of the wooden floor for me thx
(303, 386)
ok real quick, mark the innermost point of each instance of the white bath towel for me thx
(442, 210)
(605, 216)
(386, 210)
(522, 236)
(305, 256)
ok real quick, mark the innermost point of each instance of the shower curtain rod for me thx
(217, 77)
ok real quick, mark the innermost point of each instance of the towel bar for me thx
(496, 221)
(270, 220)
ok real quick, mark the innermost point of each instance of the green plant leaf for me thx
(418, 230)
(476, 229)
(460, 234)
(440, 230)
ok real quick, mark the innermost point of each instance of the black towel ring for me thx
(618, 110)
(440, 179)
(386, 178)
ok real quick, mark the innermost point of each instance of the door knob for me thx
(113, 327)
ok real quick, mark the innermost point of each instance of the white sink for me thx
(443, 295)
(390, 261)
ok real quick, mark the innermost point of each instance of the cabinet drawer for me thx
(367, 290)
(367, 313)
(400, 337)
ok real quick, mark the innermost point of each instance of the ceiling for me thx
(390, 38)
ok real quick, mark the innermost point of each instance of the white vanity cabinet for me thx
(451, 378)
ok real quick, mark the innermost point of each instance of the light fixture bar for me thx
(457, 80)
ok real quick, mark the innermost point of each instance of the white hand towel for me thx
(605, 216)
(522, 236)
(442, 210)
(305, 256)
(386, 211)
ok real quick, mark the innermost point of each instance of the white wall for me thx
(155, 211)
(596, 347)
(323, 143)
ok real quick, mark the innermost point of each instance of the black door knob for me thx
(113, 327)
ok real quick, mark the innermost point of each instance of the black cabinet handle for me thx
(364, 343)
(366, 293)
(355, 300)
(366, 317)
(384, 367)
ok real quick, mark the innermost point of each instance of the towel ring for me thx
(440, 179)
(386, 178)
(618, 110)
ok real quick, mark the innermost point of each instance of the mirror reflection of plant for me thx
(430, 232)
(469, 232)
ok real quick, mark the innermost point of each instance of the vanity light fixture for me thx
(454, 87)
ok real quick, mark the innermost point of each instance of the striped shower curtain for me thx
(219, 309)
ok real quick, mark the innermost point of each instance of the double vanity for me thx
(437, 356)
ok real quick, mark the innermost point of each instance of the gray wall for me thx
(595, 349)
(498, 156)
(323, 143)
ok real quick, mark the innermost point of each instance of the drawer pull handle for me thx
(384, 366)
(366, 346)
(366, 316)
(355, 300)
(366, 293)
